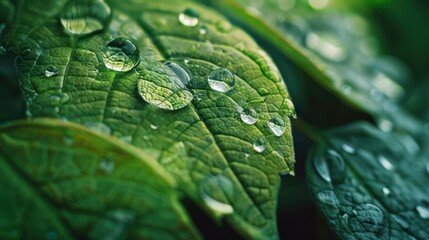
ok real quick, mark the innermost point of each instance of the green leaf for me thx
(62, 181)
(336, 49)
(368, 185)
(216, 165)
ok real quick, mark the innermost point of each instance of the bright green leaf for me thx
(368, 186)
(62, 181)
(65, 77)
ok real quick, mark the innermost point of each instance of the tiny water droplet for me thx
(107, 165)
(327, 197)
(385, 125)
(423, 211)
(247, 155)
(2, 50)
(221, 80)
(347, 148)
(166, 86)
(401, 221)
(58, 100)
(186, 60)
(154, 127)
(189, 18)
(203, 30)
(216, 192)
(385, 163)
(259, 145)
(277, 126)
(51, 71)
(249, 116)
(82, 17)
(121, 55)
(386, 191)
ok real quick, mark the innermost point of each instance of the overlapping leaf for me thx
(62, 181)
(215, 145)
(368, 185)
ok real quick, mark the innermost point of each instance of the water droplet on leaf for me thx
(259, 145)
(121, 55)
(331, 167)
(51, 71)
(164, 86)
(154, 127)
(277, 126)
(385, 163)
(401, 221)
(203, 30)
(423, 211)
(107, 165)
(366, 217)
(216, 192)
(347, 148)
(84, 17)
(189, 18)
(327, 197)
(249, 116)
(386, 191)
(221, 80)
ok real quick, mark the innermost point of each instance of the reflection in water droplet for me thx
(401, 221)
(259, 145)
(347, 148)
(327, 197)
(385, 163)
(221, 80)
(203, 30)
(249, 116)
(423, 211)
(121, 55)
(107, 165)
(51, 71)
(216, 192)
(189, 18)
(82, 17)
(277, 126)
(386, 191)
(163, 85)
(366, 217)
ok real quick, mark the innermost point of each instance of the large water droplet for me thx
(423, 211)
(51, 71)
(221, 80)
(82, 17)
(277, 126)
(249, 116)
(366, 217)
(121, 55)
(385, 163)
(165, 86)
(189, 18)
(327, 197)
(259, 145)
(216, 192)
(331, 167)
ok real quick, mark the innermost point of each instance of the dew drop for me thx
(59, 99)
(186, 60)
(121, 55)
(203, 30)
(347, 148)
(84, 17)
(221, 80)
(51, 71)
(216, 192)
(259, 145)
(423, 211)
(331, 167)
(401, 221)
(385, 163)
(165, 86)
(327, 197)
(277, 126)
(107, 165)
(189, 18)
(154, 127)
(249, 116)
(386, 191)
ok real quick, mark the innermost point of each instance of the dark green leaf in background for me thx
(368, 185)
